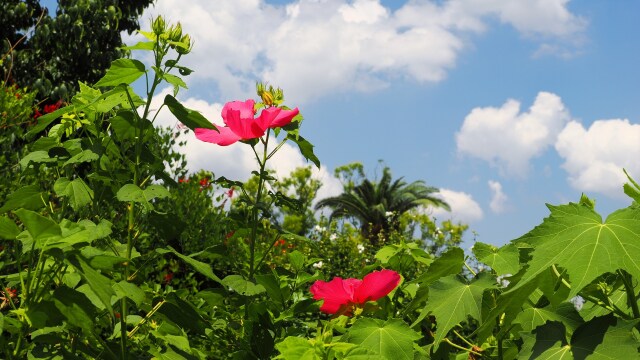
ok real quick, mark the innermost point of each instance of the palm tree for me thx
(377, 205)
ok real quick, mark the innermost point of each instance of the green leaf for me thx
(84, 156)
(601, 338)
(393, 339)
(575, 238)
(141, 45)
(202, 268)
(182, 313)
(306, 149)
(125, 126)
(122, 71)
(451, 300)
(190, 118)
(131, 192)
(176, 81)
(606, 337)
(8, 229)
(129, 290)
(547, 342)
(242, 286)
(29, 197)
(504, 260)
(37, 157)
(565, 313)
(45, 120)
(75, 307)
(296, 259)
(41, 228)
(293, 348)
(77, 191)
(100, 284)
(450, 263)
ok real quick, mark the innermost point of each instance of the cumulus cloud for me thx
(499, 199)
(314, 48)
(594, 157)
(463, 207)
(509, 139)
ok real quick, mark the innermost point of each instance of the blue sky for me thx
(504, 105)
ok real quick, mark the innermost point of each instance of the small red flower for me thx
(183, 180)
(279, 242)
(343, 295)
(52, 107)
(168, 277)
(13, 293)
(37, 114)
(230, 193)
(117, 315)
(229, 234)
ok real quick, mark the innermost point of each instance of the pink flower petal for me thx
(244, 107)
(224, 137)
(284, 118)
(267, 116)
(246, 128)
(376, 285)
(333, 293)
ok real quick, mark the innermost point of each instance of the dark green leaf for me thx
(29, 197)
(190, 118)
(84, 156)
(202, 268)
(306, 149)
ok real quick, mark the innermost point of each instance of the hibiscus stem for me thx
(461, 347)
(261, 182)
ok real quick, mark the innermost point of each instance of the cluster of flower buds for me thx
(270, 96)
(173, 35)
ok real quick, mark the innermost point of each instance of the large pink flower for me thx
(344, 293)
(241, 123)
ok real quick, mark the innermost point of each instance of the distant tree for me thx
(51, 54)
(377, 205)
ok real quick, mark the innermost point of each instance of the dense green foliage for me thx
(50, 53)
(109, 249)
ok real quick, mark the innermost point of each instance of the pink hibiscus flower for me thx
(241, 123)
(344, 294)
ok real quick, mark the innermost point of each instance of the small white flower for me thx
(333, 237)
(577, 302)
(318, 265)
(320, 229)
(360, 248)
(388, 214)
(502, 281)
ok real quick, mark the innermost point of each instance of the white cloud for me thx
(463, 207)
(594, 157)
(498, 199)
(509, 139)
(313, 48)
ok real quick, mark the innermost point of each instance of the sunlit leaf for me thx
(451, 300)
(504, 260)
(122, 71)
(392, 339)
(575, 238)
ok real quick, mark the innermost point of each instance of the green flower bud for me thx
(186, 40)
(158, 25)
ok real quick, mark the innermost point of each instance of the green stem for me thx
(460, 347)
(254, 215)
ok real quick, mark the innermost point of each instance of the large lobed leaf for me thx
(451, 300)
(392, 339)
(575, 238)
